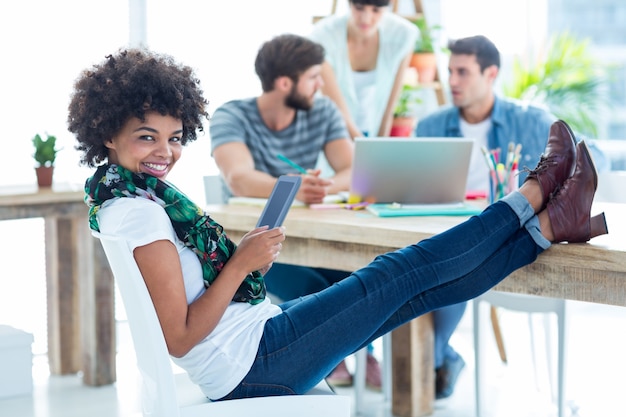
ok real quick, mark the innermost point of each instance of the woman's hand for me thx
(259, 248)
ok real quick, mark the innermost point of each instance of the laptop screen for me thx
(410, 170)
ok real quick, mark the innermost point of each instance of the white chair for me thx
(529, 304)
(213, 192)
(161, 395)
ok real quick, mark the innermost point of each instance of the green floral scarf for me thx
(192, 225)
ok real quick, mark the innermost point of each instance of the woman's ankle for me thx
(545, 225)
(531, 190)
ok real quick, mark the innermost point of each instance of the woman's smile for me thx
(151, 146)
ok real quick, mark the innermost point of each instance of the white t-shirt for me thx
(478, 176)
(397, 38)
(365, 86)
(220, 361)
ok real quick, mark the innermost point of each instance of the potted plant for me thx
(45, 155)
(405, 112)
(567, 79)
(424, 59)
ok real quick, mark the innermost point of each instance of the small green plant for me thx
(408, 101)
(426, 41)
(45, 150)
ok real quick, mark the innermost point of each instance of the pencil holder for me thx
(502, 183)
(503, 171)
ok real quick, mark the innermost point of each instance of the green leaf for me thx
(45, 150)
(425, 42)
(408, 102)
(568, 80)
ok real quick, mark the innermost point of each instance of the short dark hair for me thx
(129, 84)
(485, 51)
(286, 55)
(377, 3)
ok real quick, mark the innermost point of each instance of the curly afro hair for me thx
(129, 84)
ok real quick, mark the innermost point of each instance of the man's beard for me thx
(297, 101)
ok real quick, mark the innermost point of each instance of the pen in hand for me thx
(292, 164)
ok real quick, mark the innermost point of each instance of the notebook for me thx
(400, 210)
(410, 170)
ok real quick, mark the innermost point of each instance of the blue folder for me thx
(398, 210)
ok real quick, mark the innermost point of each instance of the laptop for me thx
(410, 170)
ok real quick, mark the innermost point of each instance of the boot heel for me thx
(597, 226)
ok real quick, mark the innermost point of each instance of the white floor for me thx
(596, 367)
(595, 374)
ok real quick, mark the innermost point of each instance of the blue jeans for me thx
(288, 282)
(314, 333)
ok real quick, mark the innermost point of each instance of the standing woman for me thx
(367, 53)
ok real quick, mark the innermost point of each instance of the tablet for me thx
(280, 200)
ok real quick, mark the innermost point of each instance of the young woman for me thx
(367, 53)
(133, 113)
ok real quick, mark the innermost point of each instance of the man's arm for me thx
(235, 162)
(237, 167)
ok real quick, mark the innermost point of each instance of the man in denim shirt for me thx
(493, 122)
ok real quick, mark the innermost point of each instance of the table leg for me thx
(413, 368)
(62, 297)
(81, 321)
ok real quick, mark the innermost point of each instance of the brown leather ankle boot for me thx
(570, 209)
(557, 161)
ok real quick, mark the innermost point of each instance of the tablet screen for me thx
(280, 200)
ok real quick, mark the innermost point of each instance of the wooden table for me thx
(80, 289)
(348, 240)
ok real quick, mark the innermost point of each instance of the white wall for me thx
(46, 44)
